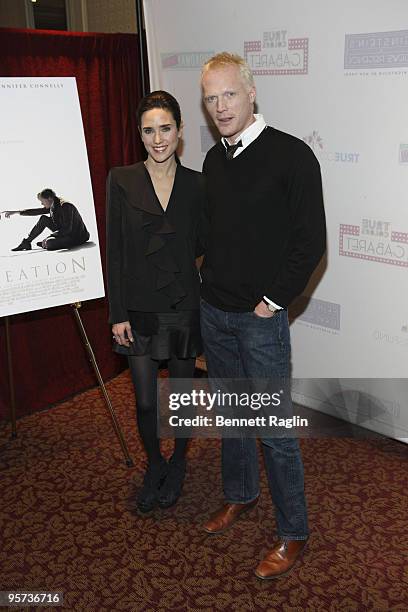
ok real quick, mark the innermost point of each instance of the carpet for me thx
(66, 524)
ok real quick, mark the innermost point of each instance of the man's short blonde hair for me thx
(225, 59)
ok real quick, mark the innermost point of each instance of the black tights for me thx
(144, 371)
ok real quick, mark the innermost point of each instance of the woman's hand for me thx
(122, 333)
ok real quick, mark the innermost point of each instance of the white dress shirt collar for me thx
(249, 134)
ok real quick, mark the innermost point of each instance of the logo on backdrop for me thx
(390, 337)
(315, 142)
(317, 314)
(374, 240)
(185, 60)
(277, 54)
(376, 51)
(403, 154)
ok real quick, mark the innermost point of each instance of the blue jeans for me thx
(243, 345)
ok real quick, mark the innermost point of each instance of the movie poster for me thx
(49, 248)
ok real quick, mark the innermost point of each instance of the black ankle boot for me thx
(147, 497)
(25, 245)
(171, 489)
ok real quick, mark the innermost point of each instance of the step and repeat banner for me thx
(42, 147)
(334, 74)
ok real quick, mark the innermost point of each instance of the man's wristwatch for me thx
(269, 306)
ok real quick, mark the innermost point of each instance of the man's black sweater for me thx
(266, 222)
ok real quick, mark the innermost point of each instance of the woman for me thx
(152, 222)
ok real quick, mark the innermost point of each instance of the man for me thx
(266, 236)
(64, 221)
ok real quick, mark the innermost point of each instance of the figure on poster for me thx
(265, 200)
(62, 218)
(153, 213)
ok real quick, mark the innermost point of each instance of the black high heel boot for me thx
(155, 475)
(171, 488)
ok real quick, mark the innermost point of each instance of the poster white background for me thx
(42, 145)
(349, 104)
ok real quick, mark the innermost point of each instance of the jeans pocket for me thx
(256, 316)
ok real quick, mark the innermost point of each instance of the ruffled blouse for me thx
(151, 251)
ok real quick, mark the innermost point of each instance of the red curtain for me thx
(50, 361)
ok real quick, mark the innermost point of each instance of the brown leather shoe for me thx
(226, 516)
(280, 560)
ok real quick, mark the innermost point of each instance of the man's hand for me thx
(122, 333)
(8, 213)
(261, 310)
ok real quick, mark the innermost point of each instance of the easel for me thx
(11, 380)
(76, 306)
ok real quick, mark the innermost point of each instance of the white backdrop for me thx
(336, 75)
(42, 145)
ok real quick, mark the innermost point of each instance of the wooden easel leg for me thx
(118, 431)
(11, 380)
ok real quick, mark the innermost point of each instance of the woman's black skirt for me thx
(163, 335)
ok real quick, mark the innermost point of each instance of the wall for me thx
(13, 14)
(83, 15)
(108, 16)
